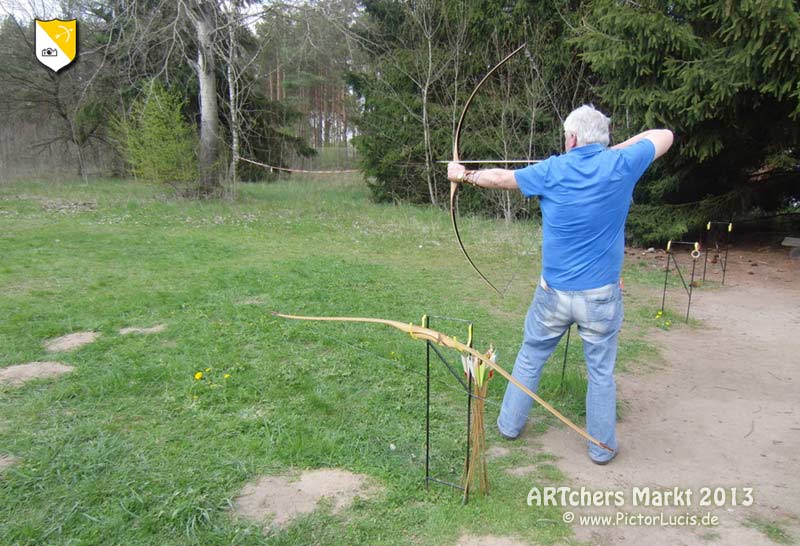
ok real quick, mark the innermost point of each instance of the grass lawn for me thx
(131, 449)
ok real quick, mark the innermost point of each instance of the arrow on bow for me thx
(285, 169)
(454, 185)
(426, 334)
(492, 161)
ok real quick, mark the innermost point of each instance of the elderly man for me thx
(584, 195)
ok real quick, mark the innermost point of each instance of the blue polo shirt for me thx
(585, 195)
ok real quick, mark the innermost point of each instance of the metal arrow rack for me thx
(466, 384)
(695, 254)
(720, 234)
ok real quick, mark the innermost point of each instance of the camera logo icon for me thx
(56, 42)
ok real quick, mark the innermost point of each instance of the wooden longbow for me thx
(454, 185)
(426, 334)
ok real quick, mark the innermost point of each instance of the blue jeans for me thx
(598, 313)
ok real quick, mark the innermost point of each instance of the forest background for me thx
(185, 92)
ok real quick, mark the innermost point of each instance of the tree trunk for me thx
(426, 128)
(209, 110)
(234, 109)
(426, 132)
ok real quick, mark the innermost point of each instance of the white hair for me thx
(589, 125)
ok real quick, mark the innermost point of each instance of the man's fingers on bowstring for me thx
(455, 171)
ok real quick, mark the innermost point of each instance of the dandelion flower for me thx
(208, 370)
(226, 376)
(198, 376)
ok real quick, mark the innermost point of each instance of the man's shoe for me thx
(601, 463)
(505, 437)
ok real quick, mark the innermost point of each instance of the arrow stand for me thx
(671, 257)
(720, 234)
(475, 460)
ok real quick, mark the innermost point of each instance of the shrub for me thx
(157, 143)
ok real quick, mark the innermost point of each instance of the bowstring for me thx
(528, 250)
(410, 370)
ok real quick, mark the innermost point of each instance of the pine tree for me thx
(725, 76)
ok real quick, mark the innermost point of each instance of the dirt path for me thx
(721, 411)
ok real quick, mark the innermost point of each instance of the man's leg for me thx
(599, 319)
(547, 320)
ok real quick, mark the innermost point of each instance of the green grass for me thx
(131, 449)
(773, 530)
(709, 536)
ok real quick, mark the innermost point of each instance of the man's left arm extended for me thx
(497, 179)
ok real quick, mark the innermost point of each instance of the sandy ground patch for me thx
(522, 471)
(20, 373)
(488, 540)
(70, 342)
(144, 331)
(68, 207)
(497, 452)
(721, 412)
(277, 500)
(6, 461)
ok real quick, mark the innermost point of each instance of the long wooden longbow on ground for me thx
(426, 334)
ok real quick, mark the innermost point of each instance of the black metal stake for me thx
(465, 499)
(427, 410)
(467, 389)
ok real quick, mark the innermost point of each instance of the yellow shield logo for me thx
(56, 42)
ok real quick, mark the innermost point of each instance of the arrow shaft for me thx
(490, 161)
